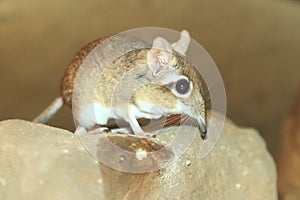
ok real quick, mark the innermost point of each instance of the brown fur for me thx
(289, 160)
(67, 82)
(137, 60)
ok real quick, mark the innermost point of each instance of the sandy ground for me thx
(254, 43)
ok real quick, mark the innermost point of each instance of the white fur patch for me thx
(172, 77)
(94, 114)
(97, 114)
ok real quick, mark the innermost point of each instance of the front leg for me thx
(136, 128)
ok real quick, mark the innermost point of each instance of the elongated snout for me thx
(202, 127)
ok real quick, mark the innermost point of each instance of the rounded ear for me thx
(183, 43)
(160, 55)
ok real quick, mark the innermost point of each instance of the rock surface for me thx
(42, 162)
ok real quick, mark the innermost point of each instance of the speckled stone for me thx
(42, 162)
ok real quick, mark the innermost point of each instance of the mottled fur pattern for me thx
(68, 79)
(139, 84)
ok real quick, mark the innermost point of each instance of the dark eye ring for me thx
(182, 86)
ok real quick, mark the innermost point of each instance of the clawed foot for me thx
(121, 130)
(83, 131)
(145, 134)
(97, 130)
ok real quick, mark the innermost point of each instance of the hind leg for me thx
(80, 130)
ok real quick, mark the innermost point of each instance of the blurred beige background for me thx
(255, 43)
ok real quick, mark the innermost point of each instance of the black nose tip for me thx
(203, 134)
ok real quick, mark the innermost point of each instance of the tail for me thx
(50, 111)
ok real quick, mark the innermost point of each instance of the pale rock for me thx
(42, 162)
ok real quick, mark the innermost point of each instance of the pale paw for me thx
(83, 131)
(121, 130)
(98, 130)
(145, 134)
